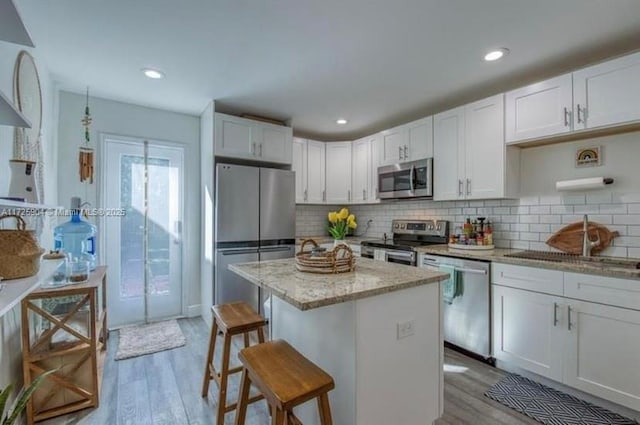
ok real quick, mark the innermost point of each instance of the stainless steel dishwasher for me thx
(467, 319)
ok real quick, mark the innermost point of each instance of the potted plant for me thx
(339, 224)
(21, 400)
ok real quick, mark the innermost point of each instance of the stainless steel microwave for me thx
(406, 180)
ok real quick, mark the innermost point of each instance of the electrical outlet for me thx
(406, 329)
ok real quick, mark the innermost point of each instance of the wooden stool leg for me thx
(208, 368)
(260, 335)
(324, 409)
(277, 417)
(243, 398)
(224, 375)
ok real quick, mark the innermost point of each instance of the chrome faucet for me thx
(588, 244)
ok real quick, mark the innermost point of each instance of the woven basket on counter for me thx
(339, 260)
(19, 251)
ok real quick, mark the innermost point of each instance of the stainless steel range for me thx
(407, 235)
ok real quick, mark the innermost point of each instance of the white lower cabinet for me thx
(527, 332)
(602, 352)
(590, 346)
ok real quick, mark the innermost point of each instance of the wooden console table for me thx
(65, 328)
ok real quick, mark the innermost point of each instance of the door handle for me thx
(399, 152)
(569, 317)
(236, 251)
(566, 117)
(459, 187)
(305, 195)
(324, 196)
(288, 248)
(468, 186)
(406, 155)
(472, 271)
(253, 148)
(364, 194)
(555, 314)
(581, 118)
(349, 195)
(412, 176)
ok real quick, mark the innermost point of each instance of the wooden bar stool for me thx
(231, 319)
(286, 378)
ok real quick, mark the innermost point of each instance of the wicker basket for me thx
(340, 260)
(19, 251)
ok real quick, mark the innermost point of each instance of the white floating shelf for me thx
(6, 203)
(11, 27)
(9, 114)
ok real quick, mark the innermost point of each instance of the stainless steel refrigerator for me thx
(254, 220)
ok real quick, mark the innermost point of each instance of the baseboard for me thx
(194, 310)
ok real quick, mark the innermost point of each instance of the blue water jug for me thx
(77, 237)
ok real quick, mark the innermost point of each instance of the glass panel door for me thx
(143, 248)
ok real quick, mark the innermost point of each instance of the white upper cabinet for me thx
(607, 93)
(316, 169)
(338, 175)
(408, 142)
(298, 165)
(484, 149)
(420, 138)
(237, 137)
(274, 143)
(361, 170)
(539, 110)
(374, 145)
(448, 155)
(470, 157)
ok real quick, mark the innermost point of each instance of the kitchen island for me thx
(376, 330)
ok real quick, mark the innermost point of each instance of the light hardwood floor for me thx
(164, 389)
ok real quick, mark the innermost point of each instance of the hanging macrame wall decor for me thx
(85, 157)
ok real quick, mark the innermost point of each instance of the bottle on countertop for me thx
(468, 228)
(488, 234)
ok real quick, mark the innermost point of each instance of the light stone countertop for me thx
(498, 255)
(306, 291)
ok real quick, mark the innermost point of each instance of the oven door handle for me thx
(403, 255)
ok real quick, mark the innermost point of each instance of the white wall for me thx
(10, 347)
(117, 118)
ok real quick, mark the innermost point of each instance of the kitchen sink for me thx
(560, 257)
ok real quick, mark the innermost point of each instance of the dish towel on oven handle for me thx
(452, 287)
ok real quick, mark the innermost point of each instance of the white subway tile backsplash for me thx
(522, 224)
(540, 209)
(561, 209)
(573, 199)
(550, 219)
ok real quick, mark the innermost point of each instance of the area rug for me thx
(146, 339)
(549, 406)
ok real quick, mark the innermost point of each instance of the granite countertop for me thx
(306, 291)
(498, 255)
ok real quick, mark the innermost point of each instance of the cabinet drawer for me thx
(605, 290)
(529, 278)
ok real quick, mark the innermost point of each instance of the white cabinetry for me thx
(242, 138)
(361, 172)
(408, 142)
(526, 330)
(309, 166)
(539, 110)
(584, 338)
(299, 166)
(607, 93)
(470, 158)
(338, 176)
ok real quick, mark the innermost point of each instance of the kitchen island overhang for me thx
(377, 331)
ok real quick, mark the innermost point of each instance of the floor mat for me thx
(549, 406)
(146, 339)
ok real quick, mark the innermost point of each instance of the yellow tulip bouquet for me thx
(340, 222)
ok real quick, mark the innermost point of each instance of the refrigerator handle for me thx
(236, 251)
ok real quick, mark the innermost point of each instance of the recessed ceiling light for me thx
(153, 73)
(494, 55)
(341, 121)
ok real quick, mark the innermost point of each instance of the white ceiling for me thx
(374, 62)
